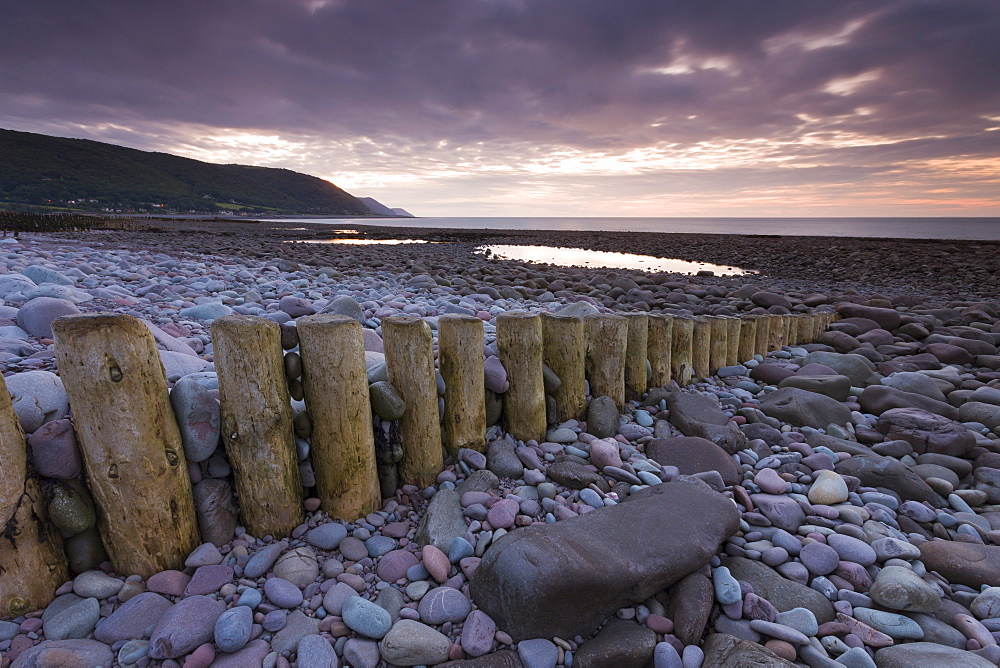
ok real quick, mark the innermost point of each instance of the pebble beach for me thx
(835, 503)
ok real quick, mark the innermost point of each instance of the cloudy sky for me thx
(540, 107)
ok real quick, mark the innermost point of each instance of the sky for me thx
(540, 107)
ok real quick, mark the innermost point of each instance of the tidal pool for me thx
(579, 257)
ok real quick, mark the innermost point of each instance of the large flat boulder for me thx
(926, 432)
(564, 579)
(803, 408)
(876, 471)
(858, 368)
(970, 564)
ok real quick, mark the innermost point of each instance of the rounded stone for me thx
(282, 593)
(298, 566)
(819, 558)
(828, 488)
(899, 588)
(386, 401)
(232, 629)
(326, 536)
(364, 617)
(37, 397)
(37, 315)
(410, 643)
(443, 604)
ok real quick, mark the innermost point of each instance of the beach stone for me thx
(233, 628)
(878, 399)
(96, 584)
(385, 400)
(353, 549)
(77, 620)
(315, 650)
(620, 643)
(781, 592)
(495, 375)
(689, 607)
(335, 597)
(14, 286)
(949, 354)
(70, 507)
(987, 604)
(698, 415)
(895, 626)
(691, 455)
(326, 536)
(819, 558)
(132, 618)
(538, 653)
(899, 588)
(54, 451)
(766, 299)
(983, 413)
(543, 571)
(828, 488)
(875, 471)
(782, 511)
(393, 565)
(297, 626)
(361, 653)
(575, 476)
(926, 432)
(802, 408)
(40, 274)
(963, 563)
(477, 633)
(770, 482)
(501, 515)
(185, 626)
(410, 643)
(298, 566)
(37, 315)
(928, 655)
(198, 416)
(886, 318)
(208, 579)
(344, 305)
(206, 554)
(364, 617)
(722, 649)
(604, 453)
(282, 593)
(602, 417)
(852, 549)
(37, 397)
(443, 520)
(891, 548)
(836, 387)
(73, 653)
(503, 461)
(206, 312)
(443, 604)
(916, 383)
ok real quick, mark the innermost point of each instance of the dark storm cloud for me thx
(578, 75)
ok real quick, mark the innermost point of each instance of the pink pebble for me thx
(201, 657)
(659, 624)
(436, 562)
(312, 504)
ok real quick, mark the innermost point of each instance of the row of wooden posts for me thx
(134, 459)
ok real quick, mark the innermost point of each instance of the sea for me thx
(881, 228)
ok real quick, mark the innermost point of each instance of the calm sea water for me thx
(888, 228)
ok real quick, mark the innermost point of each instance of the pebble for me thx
(364, 617)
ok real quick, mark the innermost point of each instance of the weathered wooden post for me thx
(719, 346)
(32, 562)
(564, 351)
(701, 347)
(409, 361)
(733, 327)
(607, 342)
(763, 334)
(748, 338)
(658, 349)
(681, 365)
(519, 347)
(803, 328)
(257, 423)
(636, 348)
(776, 332)
(789, 321)
(129, 440)
(460, 356)
(335, 381)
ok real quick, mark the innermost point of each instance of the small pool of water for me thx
(579, 257)
(365, 242)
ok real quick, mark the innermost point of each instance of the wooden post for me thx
(733, 327)
(409, 361)
(460, 356)
(519, 347)
(335, 381)
(776, 332)
(701, 347)
(748, 338)
(803, 329)
(636, 380)
(257, 423)
(658, 349)
(682, 330)
(719, 347)
(564, 351)
(607, 342)
(763, 334)
(32, 561)
(131, 446)
(789, 321)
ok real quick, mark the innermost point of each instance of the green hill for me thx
(40, 170)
